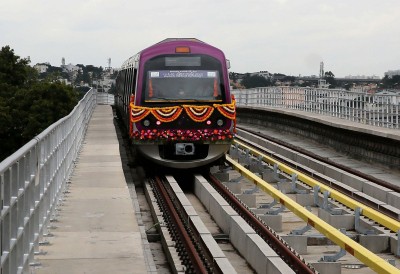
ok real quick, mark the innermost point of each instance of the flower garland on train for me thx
(169, 114)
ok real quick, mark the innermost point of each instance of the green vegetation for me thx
(27, 105)
(391, 82)
(254, 81)
(330, 79)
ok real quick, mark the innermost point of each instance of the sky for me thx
(351, 37)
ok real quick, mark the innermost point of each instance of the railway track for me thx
(198, 249)
(320, 227)
(359, 218)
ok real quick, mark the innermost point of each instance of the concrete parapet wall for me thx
(363, 144)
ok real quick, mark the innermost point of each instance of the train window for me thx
(183, 85)
(183, 78)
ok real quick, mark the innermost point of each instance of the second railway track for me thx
(307, 243)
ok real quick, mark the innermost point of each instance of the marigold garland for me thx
(170, 114)
(138, 113)
(227, 110)
(166, 114)
(198, 113)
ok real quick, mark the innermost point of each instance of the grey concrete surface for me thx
(96, 230)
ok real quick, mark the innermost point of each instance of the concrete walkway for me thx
(96, 231)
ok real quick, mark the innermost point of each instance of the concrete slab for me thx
(224, 266)
(258, 251)
(235, 188)
(353, 181)
(276, 265)
(368, 199)
(216, 201)
(212, 246)
(204, 190)
(97, 231)
(376, 191)
(79, 215)
(195, 221)
(183, 199)
(222, 176)
(190, 211)
(91, 266)
(297, 242)
(338, 221)
(175, 187)
(223, 217)
(94, 245)
(393, 240)
(248, 199)
(328, 268)
(375, 243)
(91, 179)
(273, 221)
(99, 159)
(305, 199)
(394, 199)
(239, 230)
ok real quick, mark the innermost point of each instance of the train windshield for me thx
(172, 78)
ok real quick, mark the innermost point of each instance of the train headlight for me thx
(146, 123)
(220, 122)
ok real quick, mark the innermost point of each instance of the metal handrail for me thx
(381, 110)
(32, 180)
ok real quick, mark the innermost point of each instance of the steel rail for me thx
(287, 255)
(191, 250)
(371, 213)
(364, 255)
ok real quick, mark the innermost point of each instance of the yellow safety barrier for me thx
(378, 217)
(364, 255)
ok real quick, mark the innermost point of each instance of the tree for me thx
(233, 76)
(253, 81)
(330, 79)
(390, 82)
(43, 104)
(112, 89)
(13, 70)
(27, 106)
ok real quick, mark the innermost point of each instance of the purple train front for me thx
(174, 99)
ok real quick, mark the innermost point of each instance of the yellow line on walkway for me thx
(364, 255)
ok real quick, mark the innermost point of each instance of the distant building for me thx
(263, 73)
(392, 73)
(41, 68)
(362, 77)
(70, 68)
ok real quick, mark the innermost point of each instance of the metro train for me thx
(174, 99)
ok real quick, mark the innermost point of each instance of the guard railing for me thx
(32, 180)
(372, 109)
